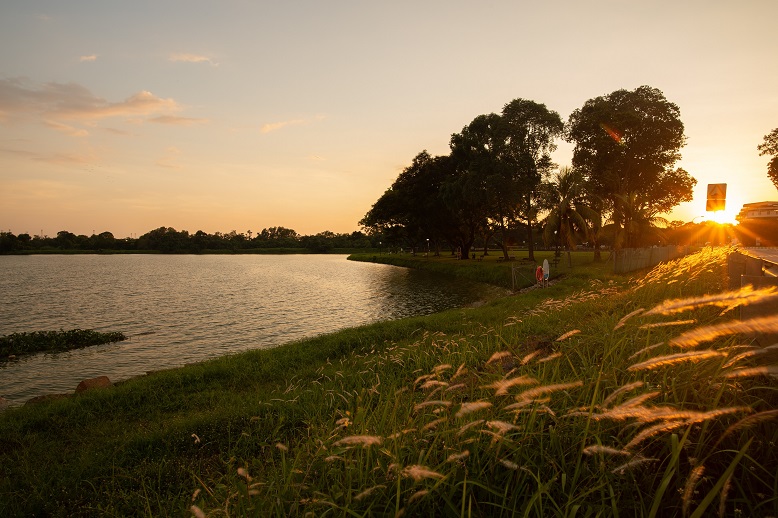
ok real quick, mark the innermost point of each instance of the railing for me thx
(631, 259)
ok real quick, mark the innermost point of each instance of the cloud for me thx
(274, 126)
(73, 102)
(65, 128)
(53, 157)
(93, 57)
(178, 121)
(192, 58)
(169, 161)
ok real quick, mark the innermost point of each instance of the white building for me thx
(758, 210)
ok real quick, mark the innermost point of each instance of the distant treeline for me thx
(170, 240)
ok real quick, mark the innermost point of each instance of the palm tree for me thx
(636, 219)
(568, 215)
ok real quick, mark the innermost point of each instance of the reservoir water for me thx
(179, 309)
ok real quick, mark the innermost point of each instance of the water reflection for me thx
(184, 309)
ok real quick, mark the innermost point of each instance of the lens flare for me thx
(615, 134)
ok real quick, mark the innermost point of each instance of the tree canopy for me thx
(495, 179)
(626, 146)
(770, 147)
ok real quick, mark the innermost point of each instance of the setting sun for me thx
(727, 215)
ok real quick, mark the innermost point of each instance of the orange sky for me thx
(124, 117)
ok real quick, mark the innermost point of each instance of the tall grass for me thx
(559, 402)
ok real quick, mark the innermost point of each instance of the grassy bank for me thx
(492, 269)
(566, 401)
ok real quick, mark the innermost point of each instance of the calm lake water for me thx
(188, 308)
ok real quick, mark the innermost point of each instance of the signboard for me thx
(717, 197)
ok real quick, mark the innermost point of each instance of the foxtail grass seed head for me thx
(723, 497)
(749, 421)
(418, 473)
(364, 441)
(651, 431)
(646, 349)
(637, 400)
(197, 512)
(596, 449)
(621, 390)
(502, 427)
(509, 464)
(442, 368)
(469, 408)
(536, 392)
(502, 386)
(528, 357)
(456, 457)
(431, 384)
(672, 323)
(766, 325)
(433, 424)
(282, 447)
(437, 402)
(623, 321)
(568, 335)
(460, 372)
(674, 359)
(691, 483)
(632, 464)
(418, 495)
(498, 356)
(472, 424)
(745, 296)
(367, 492)
(771, 370)
(550, 357)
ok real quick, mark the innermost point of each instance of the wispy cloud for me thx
(177, 121)
(169, 160)
(67, 129)
(192, 58)
(92, 57)
(55, 157)
(73, 102)
(274, 126)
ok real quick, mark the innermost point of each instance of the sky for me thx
(238, 115)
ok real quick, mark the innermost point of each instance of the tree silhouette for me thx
(770, 147)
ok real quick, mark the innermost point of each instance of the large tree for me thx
(412, 210)
(532, 132)
(490, 185)
(626, 146)
(770, 147)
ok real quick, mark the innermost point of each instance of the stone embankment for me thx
(99, 382)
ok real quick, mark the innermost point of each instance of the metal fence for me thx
(631, 259)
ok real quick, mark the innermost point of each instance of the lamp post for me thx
(428, 247)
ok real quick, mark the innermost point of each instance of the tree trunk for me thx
(530, 241)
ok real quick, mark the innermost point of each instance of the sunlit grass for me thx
(571, 400)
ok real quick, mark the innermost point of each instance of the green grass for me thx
(19, 344)
(380, 420)
(492, 269)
